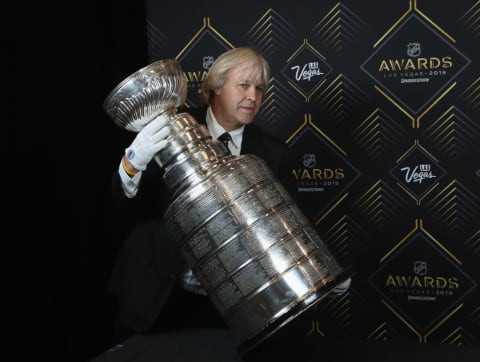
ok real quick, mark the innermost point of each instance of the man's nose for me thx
(252, 94)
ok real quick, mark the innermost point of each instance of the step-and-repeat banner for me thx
(379, 103)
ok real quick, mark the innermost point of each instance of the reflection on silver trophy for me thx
(260, 260)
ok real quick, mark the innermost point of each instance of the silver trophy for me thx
(258, 257)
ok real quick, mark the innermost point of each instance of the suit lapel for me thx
(252, 141)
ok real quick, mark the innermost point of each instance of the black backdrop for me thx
(65, 58)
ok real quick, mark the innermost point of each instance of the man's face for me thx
(238, 100)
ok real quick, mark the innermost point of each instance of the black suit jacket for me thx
(148, 262)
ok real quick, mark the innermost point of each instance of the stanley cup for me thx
(258, 257)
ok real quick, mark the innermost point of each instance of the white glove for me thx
(149, 141)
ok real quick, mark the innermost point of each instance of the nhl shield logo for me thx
(414, 50)
(420, 267)
(207, 62)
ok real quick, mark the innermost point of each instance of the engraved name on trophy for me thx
(257, 256)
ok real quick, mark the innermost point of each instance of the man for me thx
(155, 291)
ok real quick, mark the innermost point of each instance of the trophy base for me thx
(308, 302)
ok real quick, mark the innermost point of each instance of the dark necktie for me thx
(225, 138)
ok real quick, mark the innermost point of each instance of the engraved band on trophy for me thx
(258, 257)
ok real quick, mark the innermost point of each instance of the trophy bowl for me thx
(152, 90)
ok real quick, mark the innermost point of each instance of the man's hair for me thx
(251, 59)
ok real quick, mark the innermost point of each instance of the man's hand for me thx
(148, 142)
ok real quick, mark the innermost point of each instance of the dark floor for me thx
(214, 345)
